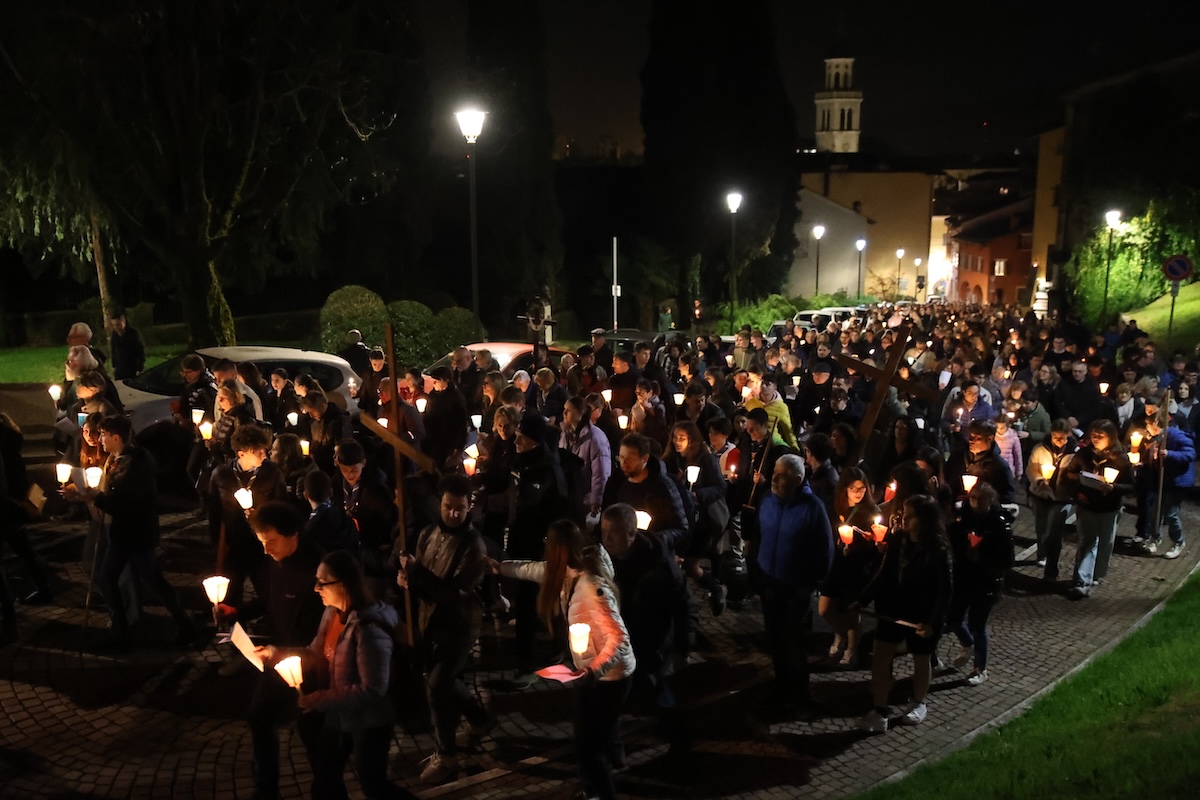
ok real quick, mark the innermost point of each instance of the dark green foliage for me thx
(412, 325)
(453, 327)
(352, 307)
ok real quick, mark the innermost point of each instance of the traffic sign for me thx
(1177, 268)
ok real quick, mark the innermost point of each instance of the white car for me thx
(151, 396)
(509, 356)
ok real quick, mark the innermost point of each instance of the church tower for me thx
(839, 109)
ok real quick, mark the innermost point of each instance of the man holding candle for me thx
(128, 493)
(1050, 495)
(1172, 450)
(981, 459)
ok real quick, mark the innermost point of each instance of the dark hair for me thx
(576, 404)
(722, 425)
(117, 426)
(310, 384)
(841, 505)
(278, 515)
(695, 388)
(193, 361)
(638, 442)
(250, 375)
(983, 426)
(511, 395)
(346, 568)
(695, 446)
(224, 365)
(93, 380)
(566, 546)
(930, 517)
(250, 437)
(350, 453)
(820, 446)
(291, 457)
(281, 372)
(317, 401)
(317, 486)
(1060, 426)
(642, 346)
(624, 356)
(454, 484)
(441, 373)
(585, 350)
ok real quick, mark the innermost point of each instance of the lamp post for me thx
(734, 201)
(470, 122)
(1113, 219)
(899, 261)
(818, 231)
(860, 245)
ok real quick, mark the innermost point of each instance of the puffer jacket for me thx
(1180, 461)
(587, 599)
(591, 445)
(357, 697)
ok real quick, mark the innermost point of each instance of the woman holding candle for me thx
(1050, 495)
(235, 411)
(982, 542)
(854, 562)
(1097, 500)
(648, 415)
(577, 584)
(690, 457)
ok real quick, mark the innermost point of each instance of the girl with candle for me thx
(854, 563)
(1050, 495)
(711, 509)
(577, 584)
(982, 543)
(1097, 502)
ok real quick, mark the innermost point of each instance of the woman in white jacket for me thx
(1050, 494)
(577, 583)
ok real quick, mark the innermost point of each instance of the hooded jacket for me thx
(357, 697)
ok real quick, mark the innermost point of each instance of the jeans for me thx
(1097, 534)
(144, 565)
(1172, 499)
(449, 697)
(598, 733)
(1049, 520)
(272, 705)
(787, 619)
(370, 748)
(968, 620)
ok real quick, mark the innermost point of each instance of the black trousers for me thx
(787, 619)
(598, 733)
(272, 706)
(144, 565)
(449, 697)
(370, 749)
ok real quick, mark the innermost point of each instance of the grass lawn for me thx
(1153, 318)
(1127, 726)
(45, 364)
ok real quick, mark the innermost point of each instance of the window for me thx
(1026, 241)
(842, 120)
(850, 120)
(1001, 264)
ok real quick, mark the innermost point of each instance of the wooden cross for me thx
(400, 448)
(884, 379)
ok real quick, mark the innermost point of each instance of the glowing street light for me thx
(899, 261)
(470, 122)
(1112, 219)
(860, 245)
(818, 231)
(734, 201)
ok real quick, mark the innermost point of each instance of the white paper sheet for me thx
(242, 642)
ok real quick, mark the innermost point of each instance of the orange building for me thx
(991, 256)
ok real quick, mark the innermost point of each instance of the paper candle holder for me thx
(245, 498)
(293, 418)
(91, 476)
(729, 361)
(62, 472)
(746, 392)
(55, 392)
(623, 421)
(846, 533)
(679, 398)
(969, 482)
(291, 670)
(1135, 439)
(422, 403)
(1135, 459)
(1111, 474)
(1103, 387)
(580, 633)
(216, 587)
(693, 473)
(607, 395)
(305, 446)
(1047, 471)
(383, 422)
(795, 380)
(197, 416)
(643, 520)
(81, 418)
(472, 451)
(477, 421)
(206, 431)
(469, 465)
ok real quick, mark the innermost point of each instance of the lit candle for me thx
(889, 491)
(206, 430)
(1111, 474)
(693, 474)
(746, 392)
(216, 587)
(55, 392)
(291, 671)
(729, 361)
(1011, 416)
(304, 446)
(91, 476)
(383, 421)
(959, 414)
(974, 539)
(846, 532)
(607, 395)
(197, 416)
(472, 450)
(1135, 439)
(293, 418)
(1103, 387)
(969, 482)
(580, 632)
(816, 409)
(477, 421)
(1135, 458)
(679, 398)
(795, 380)
(62, 472)
(878, 529)
(469, 465)
(1007, 374)
(245, 498)
(623, 421)
(643, 520)
(1047, 471)
(421, 404)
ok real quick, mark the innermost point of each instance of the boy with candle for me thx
(981, 458)
(1172, 450)
(1050, 496)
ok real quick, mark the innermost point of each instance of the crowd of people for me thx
(621, 490)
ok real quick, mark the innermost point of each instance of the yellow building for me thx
(1045, 205)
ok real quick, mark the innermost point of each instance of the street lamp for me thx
(470, 122)
(1113, 219)
(860, 245)
(899, 260)
(818, 231)
(734, 201)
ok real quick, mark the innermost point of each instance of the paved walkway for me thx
(162, 723)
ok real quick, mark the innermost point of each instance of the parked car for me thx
(841, 313)
(149, 398)
(510, 356)
(812, 318)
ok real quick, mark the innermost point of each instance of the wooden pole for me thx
(398, 458)
(884, 379)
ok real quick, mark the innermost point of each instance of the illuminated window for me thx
(1001, 264)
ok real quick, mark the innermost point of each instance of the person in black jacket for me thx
(643, 483)
(128, 349)
(291, 611)
(128, 493)
(983, 553)
(445, 420)
(982, 459)
(330, 425)
(327, 524)
(282, 401)
(369, 503)
(372, 380)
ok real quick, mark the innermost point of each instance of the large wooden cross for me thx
(400, 448)
(884, 379)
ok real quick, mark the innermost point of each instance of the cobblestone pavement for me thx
(161, 722)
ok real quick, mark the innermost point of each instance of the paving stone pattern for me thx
(161, 722)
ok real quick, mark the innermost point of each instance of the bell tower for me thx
(839, 108)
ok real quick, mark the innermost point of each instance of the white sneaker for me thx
(977, 677)
(873, 722)
(439, 768)
(965, 653)
(1150, 547)
(1175, 552)
(916, 715)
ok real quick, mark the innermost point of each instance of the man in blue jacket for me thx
(1175, 449)
(795, 552)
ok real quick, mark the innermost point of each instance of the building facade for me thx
(839, 109)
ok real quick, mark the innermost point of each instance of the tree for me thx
(209, 132)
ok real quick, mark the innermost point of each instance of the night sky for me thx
(938, 77)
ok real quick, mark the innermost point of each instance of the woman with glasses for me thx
(351, 655)
(854, 562)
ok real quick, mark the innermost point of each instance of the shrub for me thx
(352, 307)
(412, 324)
(455, 326)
